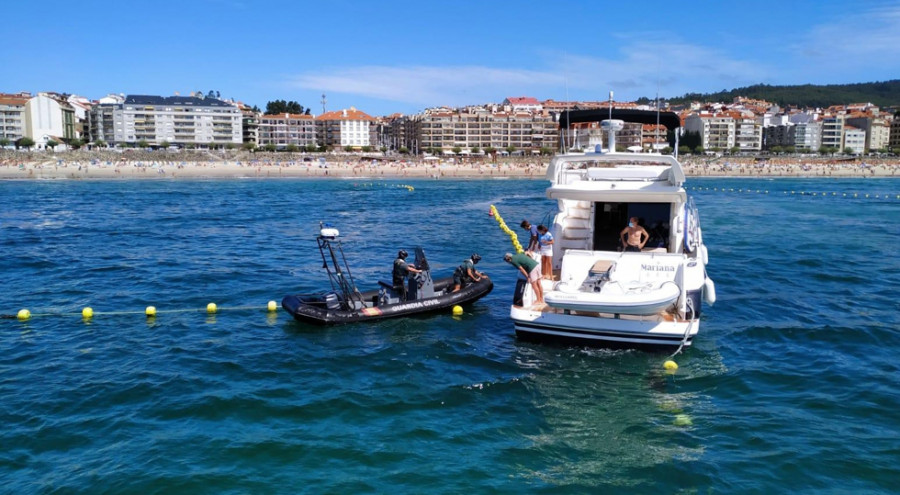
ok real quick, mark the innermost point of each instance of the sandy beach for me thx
(231, 164)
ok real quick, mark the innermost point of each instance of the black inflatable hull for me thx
(312, 308)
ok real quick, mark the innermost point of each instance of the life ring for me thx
(691, 227)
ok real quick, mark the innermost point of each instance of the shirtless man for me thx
(634, 236)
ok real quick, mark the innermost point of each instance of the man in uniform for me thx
(466, 272)
(401, 271)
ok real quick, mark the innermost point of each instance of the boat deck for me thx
(547, 309)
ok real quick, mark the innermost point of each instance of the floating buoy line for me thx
(508, 231)
(379, 184)
(826, 194)
(88, 313)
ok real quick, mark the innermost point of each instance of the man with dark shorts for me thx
(466, 272)
(634, 236)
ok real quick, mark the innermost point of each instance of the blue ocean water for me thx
(793, 384)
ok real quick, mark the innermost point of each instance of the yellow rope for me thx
(508, 231)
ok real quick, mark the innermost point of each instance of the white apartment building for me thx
(170, 119)
(716, 130)
(287, 129)
(49, 119)
(747, 133)
(854, 140)
(348, 128)
(522, 104)
(833, 131)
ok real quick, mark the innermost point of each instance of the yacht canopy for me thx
(669, 119)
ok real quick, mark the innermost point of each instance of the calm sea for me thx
(792, 386)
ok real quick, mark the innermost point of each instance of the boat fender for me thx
(709, 291)
(704, 254)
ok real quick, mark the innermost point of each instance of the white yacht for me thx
(600, 294)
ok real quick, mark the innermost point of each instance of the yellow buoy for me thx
(87, 313)
(670, 365)
(211, 308)
(150, 311)
(23, 314)
(272, 306)
(457, 310)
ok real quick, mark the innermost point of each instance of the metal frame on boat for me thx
(599, 294)
(346, 304)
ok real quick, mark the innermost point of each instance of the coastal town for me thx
(512, 137)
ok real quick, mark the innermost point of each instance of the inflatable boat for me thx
(345, 304)
(615, 298)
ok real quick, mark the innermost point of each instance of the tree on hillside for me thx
(883, 93)
(280, 106)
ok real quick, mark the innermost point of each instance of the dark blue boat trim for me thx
(675, 340)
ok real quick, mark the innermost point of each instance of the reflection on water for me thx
(603, 414)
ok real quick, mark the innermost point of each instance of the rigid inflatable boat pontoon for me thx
(346, 304)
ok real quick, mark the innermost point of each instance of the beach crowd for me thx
(231, 163)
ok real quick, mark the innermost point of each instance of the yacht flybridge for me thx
(601, 294)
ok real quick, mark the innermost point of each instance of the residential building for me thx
(103, 120)
(854, 140)
(803, 137)
(174, 120)
(654, 137)
(349, 128)
(877, 129)
(522, 104)
(779, 135)
(49, 118)
(83, 117)
(486, 127)
(807, 136)
(717, 131)
(287, 129)
(249, 125)
(747, 132)
(12, 116)
(894, 142)
(833, 131)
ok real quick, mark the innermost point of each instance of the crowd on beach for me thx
(241, 163)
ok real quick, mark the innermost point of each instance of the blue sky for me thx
(385, 57)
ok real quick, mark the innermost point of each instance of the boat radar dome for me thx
(613, 125)
(328, 232)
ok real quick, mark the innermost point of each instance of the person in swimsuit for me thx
(634, 236)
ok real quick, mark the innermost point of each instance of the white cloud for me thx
(677, 68)
(858, 47)
(425, 85)
(868, 41)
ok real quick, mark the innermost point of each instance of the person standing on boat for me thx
(401, 271)
(634, 236)
(546, 249)
(466, 272)
(532, 271)
(533, 242)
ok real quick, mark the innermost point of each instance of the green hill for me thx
(884, 94)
